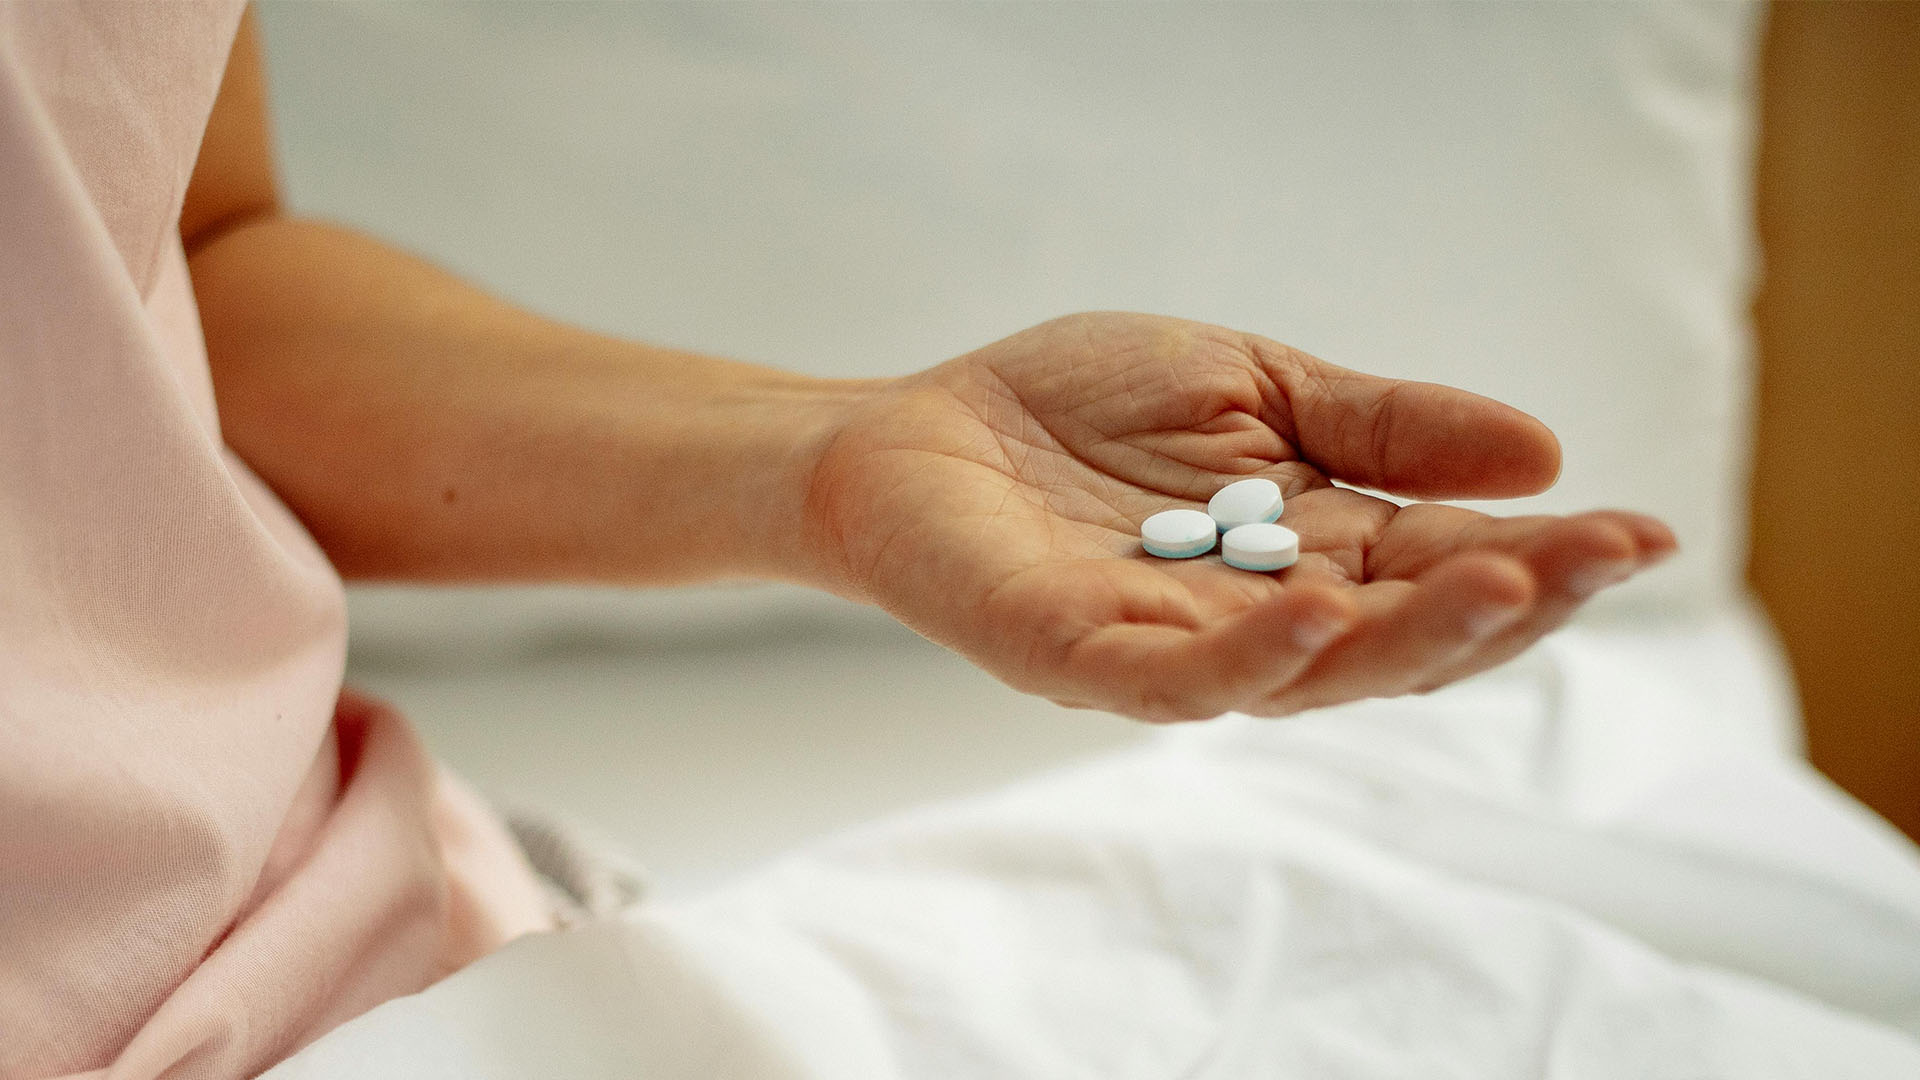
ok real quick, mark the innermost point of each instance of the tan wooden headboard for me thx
(1836, 489)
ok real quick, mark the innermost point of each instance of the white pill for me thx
(1260, 546)
(1245, 502)
(1177, 534)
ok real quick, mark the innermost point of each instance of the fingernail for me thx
(1491, 620)
(1317, 632)
(1591, 579)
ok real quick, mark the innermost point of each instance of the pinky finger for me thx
(1167, 673)
(1424, 626)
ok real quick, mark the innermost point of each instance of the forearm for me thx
(423, 430)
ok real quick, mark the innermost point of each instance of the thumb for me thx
(1417, 439)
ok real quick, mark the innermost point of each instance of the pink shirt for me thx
(208, 854)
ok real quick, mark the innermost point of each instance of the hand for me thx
(993, 504)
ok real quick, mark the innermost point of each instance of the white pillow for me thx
(1544, 203)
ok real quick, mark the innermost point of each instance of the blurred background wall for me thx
(1836, 488)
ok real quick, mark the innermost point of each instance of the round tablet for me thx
(1245, 502)
(1177, 534)
(1260, 546)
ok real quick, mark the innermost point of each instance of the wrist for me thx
(780, 434)
(712, 466)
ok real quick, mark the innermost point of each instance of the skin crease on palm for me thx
(993, 503)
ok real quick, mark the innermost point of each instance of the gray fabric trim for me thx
(586, 877)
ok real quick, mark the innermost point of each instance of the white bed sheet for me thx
(1605, 861)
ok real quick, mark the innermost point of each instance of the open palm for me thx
(993, 503)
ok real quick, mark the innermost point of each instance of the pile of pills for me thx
(1241, 516)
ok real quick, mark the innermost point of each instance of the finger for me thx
(1651, 536)
(1167, 673)
(1416, 439)
(1578, 546)
(1569, 572)
(1409, 630)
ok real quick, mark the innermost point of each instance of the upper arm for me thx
(233, 179)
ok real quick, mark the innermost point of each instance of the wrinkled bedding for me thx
(1606, 860)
